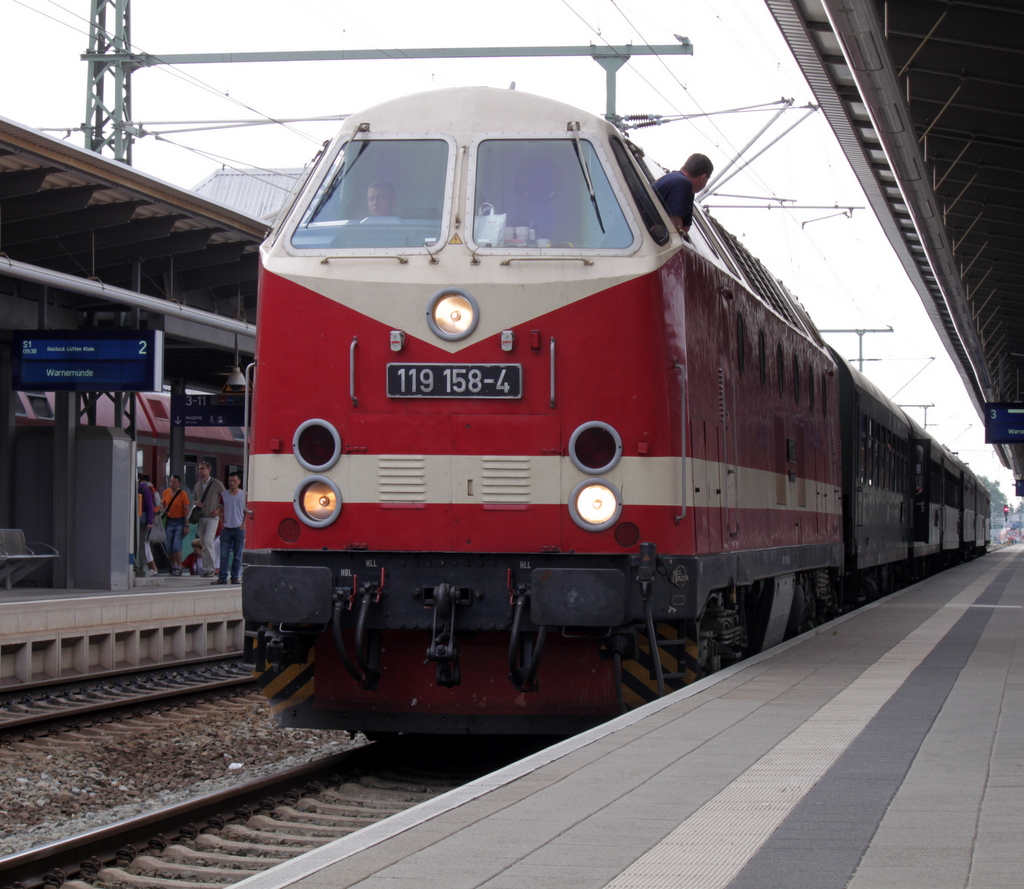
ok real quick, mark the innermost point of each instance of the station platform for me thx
(884, 749)
(53, 635)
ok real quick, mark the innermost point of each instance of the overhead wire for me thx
(807, 237)
(225, 161)
(168, 69)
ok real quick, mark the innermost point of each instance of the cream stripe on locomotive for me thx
(509, 480)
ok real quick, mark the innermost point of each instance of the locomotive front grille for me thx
(505, 479)
(402, 479)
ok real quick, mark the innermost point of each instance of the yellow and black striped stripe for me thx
(290, 686)
(639, 685)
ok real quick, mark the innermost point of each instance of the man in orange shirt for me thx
(175, 505)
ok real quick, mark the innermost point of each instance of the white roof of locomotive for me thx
(483, 109)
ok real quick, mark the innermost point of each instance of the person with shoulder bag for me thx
(206, 495)
(175, 505)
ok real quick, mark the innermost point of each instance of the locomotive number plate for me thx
(455, 381)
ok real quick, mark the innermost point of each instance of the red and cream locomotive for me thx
(511, 433)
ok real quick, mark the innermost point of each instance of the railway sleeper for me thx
(81, 738)
(210, 856)
(352, 791)
(377, 783)
(109, 728)
(162, 867)
(39, 745)
(364, 811)
(438, 783)
(297, 828)
(214, 841)
(273, 837)
(154, 722)
(307, 817)
(116, 876)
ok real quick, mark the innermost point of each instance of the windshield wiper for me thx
(574, 128)
(330, 192)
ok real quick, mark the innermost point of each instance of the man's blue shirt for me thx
(676, 193)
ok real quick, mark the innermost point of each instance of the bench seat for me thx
(18, 558)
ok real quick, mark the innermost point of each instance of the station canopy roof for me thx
(926, 98)
(85, 240)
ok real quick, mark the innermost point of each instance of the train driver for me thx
(677, 189)
(380, 202)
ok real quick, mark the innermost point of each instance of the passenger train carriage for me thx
(515, 434)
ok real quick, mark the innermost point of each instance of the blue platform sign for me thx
(207, 410)
(1004, 422)
(1019, 485)
(88, 360)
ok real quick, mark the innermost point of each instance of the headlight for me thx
(316, 445)
(317, 501)
(595, 447)
(595, 504)
(452, 314)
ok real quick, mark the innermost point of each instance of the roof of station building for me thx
(926, 98)
(102, 238)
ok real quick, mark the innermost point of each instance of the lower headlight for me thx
(317, 501)
(595, 504)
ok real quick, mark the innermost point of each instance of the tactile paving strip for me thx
(708, 849)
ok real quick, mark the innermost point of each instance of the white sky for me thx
(842, 269)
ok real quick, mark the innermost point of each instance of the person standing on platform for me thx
(232, 538)
(207, 493)
(175, 505)
(147, 515)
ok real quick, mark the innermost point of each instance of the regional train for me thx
(220, 446)
(523, 457)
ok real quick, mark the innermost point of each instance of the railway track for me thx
(37, 710)
(222, 838)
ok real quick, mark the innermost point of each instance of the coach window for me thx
(762, 357)
(40, 405)
(545, 193)
(886, 447)
(796, 379)
(824, 395)
(741, 342)
(380, 193)
(869, 451)
(810, 386)
(876, 459)
(876, 454)
(936, 492)
(191, 472)
(879, 456)
(863, 449)
(879, 443)
(890, 460)
(780, 367)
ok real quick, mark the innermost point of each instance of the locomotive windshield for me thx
(380, 193)
(545, 193)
